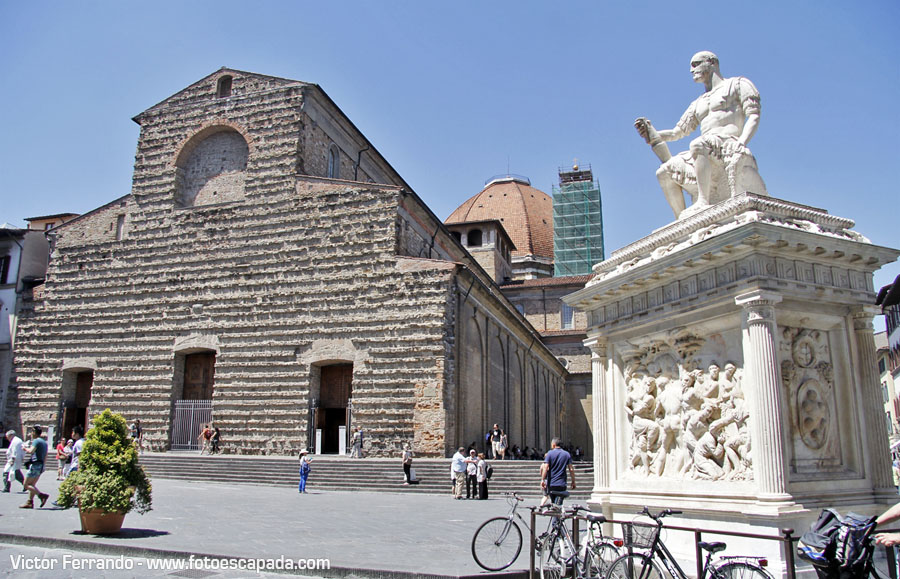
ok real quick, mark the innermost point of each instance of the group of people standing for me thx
(67, 454)
(471, 472)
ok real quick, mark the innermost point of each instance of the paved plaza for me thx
(361, 534)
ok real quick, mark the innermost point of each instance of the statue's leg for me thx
(671, 190)
(704, 175)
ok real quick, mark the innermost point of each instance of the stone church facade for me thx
(269, 260)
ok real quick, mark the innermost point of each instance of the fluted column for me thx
(600, 413)
(760, 341)
(875, 438)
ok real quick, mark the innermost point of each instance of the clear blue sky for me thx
(452, 93)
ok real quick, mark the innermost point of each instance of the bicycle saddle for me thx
(595, 518)
(711, 547)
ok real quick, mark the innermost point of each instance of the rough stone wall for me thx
(265, 285)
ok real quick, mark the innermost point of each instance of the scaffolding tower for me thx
(577, 222)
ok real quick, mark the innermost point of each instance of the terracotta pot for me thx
(100, 522)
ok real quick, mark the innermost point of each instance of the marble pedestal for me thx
(734, 372)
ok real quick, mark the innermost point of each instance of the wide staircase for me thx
(330, 472)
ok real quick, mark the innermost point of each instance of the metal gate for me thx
(190, 416)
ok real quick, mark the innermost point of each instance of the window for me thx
(457, 236)
(334, 163)
(474, 238)
(884, 392)
(120, 227)
(881, 366)
(567, 317)
(223, 88)
(520, 308)
(4, 268)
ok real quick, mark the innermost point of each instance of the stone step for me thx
(344, 474)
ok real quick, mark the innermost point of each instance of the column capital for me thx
(758, 298)
(597, 345)
(863, 317)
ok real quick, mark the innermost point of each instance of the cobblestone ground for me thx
(411, 534)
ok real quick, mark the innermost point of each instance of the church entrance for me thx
(334, 398)
(193, 409)
(76, 400)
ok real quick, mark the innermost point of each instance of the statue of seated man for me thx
(718, 164)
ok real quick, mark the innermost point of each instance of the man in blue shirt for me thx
(38, 450)
(553, 471)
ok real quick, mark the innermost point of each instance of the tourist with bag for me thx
(304, 469)
(407, 465)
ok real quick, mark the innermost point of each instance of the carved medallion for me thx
(814, 416)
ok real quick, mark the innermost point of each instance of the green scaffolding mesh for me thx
(577, 223)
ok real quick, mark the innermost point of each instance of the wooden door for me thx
(199, 371)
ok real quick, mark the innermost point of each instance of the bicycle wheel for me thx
(552, 564)
(599, 557)
(741, 570)
(496, 544)
(635, 566)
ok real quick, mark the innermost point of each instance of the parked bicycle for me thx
(558, 555)
(646, 565)
(498, 541)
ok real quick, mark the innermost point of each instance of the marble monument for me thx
(733, 357)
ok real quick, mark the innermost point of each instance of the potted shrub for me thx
(109, 481)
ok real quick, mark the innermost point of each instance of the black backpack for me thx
(838, 546)
(488, 471)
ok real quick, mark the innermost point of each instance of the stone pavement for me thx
(362, 534)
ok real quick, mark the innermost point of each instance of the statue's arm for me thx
(751, 105)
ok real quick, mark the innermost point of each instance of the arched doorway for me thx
(76, 399)
(333, 406)
(192, 397)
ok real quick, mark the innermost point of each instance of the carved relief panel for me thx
(807, 375)
(685, 406)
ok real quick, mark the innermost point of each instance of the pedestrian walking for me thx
(38, 451)
(77, 434)
(494, 436)
(216, 437)
(137, 433)
(69, 450)
(407, 465)
(504, 444)
(60, 458)
(304, 469)
(204, 438)
(15, 455)
(553, 471)
(472, 476)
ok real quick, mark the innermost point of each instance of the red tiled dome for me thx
(526, 214)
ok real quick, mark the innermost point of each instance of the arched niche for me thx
(211, 167)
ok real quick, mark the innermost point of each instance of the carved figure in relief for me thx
(718, 164)
(642, 408)
(686, 422)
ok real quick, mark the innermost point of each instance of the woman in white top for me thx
(482, 478)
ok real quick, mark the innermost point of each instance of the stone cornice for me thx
(718, 219)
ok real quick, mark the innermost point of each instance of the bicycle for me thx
(557, 550)
(498, 541)
(646, 565)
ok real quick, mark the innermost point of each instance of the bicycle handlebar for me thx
(658, 516)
